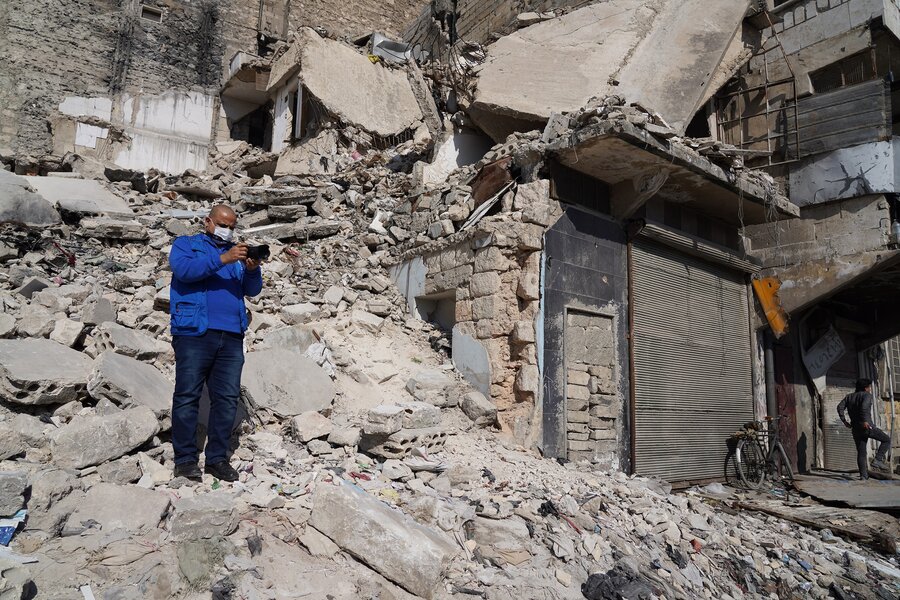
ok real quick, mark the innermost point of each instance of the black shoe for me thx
(222, 470)
(189, 470)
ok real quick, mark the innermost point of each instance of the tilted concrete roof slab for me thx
(663, 53)
(618, 152)
(375, 98)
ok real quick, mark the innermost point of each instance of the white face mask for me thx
(224, 234)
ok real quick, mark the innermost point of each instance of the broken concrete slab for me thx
(19, 204)
(12, 492)
(390, 542)
(88, 441)
(317, 543)
(31, 286)
(81, 196)
(113, 229)
(129, 382)
(418, 415)
(311, 426)
(286, 382)
(38, 371)
(98, 311)
(111, 336)
(660, 53)
(204, 517)
(329, 68)
(367, 321)
(67, 332)
(127, 507)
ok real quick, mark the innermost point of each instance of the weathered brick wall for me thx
(356, 18)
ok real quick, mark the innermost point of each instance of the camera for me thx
(258, 252)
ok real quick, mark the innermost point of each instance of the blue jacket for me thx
(193, 260)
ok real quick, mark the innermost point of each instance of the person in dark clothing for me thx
(210, 278)
(859, 405)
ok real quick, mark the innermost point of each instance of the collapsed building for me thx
(590, 190)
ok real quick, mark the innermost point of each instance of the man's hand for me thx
(234, 254)
(866, 426)
(251, 264)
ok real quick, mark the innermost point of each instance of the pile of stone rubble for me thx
(368, 467)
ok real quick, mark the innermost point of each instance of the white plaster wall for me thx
(183, 114)
(79, 106)
(846, 173)
(459, 150)
(169, 132)
(168, 154)
(282, 123)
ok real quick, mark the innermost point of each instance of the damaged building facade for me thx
(594, 277)
(816, 102)
(136, 83)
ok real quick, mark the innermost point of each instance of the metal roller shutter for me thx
(692, 362)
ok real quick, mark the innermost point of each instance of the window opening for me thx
(150, 13)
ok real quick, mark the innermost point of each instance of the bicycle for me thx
(754, 462)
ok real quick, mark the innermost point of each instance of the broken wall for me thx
(825, 249)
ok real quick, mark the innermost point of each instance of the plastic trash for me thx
(9, 525)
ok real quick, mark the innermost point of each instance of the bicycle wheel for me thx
(751, 464)
(782, 470)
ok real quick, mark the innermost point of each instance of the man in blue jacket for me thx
(210, 277)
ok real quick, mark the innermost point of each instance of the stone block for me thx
(528, 380)
(529, 287)
(88, 441)
(367, 321)
(299, 313)
(35, 322)
(574, 377)
(311, 426)
(575, 436)
(333, 295)
(286, 382)
(576, 404)
(578, 392)
(417, 415)
(606, 408)
(8, 325)
(127, 507)
(100, 311)
(12, 492)
(485, 284)
(491, 259)
(578, 427)
(415, 558)
(479, 408)
(384, 420)
(581, 446)
(488, 307)
(603, 434)
(345, 436)
(20, 204)
(577, 416)
(523, 333)
(317, 543)
(37, 371)
(67, 332)
(129, 382)
(204, 516)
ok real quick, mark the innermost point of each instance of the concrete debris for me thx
(92, 440)
(129, 382)
(20, 204)
(416, 557)
(204, 517)
(108, 506)
(35, 371)
(286, 383)
(388, 439)
(12, 492)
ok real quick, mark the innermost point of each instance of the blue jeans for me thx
(215, 358)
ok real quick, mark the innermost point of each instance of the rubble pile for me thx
(361, 455)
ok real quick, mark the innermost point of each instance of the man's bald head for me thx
(220, 215)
